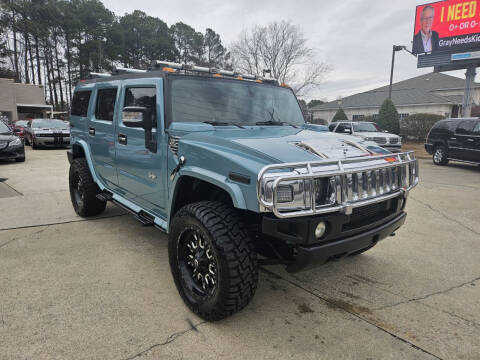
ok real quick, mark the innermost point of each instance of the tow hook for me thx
(181, 161)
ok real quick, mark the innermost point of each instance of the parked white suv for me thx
(368, 131)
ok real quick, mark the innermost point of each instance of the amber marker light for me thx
(391, 159)
(284, 85)
(168, 69)
(217, 76)
(239, 78)
(259, 81)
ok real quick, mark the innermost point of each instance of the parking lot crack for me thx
(351, 311)
(171, 338)
(445, 215)
(430, 295)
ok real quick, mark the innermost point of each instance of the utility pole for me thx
(395, 49)
(467, 94)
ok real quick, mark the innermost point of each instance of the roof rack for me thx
(94, 75)
(164, 65)
(122, 70)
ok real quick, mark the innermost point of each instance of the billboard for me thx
(447, 26)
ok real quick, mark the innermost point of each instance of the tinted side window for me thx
(105, 104)
(465, 127)
(80, 103)
(144, 97)
(476, 129)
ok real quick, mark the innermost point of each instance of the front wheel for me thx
(212, 259)
(440, 155)
(83, 190)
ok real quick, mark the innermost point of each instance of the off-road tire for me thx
(440, 155)
(234, 251)
(89, 204)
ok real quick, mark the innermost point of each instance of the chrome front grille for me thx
(173, 143)
(380, 140)
(393, 140)
(345, 184)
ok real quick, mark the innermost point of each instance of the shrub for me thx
(320, 121)
(388, 118)
(340, 115)
(417, 126)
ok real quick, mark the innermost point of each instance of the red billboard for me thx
(447, 26)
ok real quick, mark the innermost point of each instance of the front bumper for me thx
(429, 148)
(12, 152)
(56, 141)
(311, 256)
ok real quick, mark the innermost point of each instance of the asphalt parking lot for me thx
(101, 289)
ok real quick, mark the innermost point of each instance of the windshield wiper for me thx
(222, 123)
(277, 123)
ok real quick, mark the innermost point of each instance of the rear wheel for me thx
(83, 190)
(440, 155)
(212, 259)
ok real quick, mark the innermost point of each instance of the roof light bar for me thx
(128, 70)
(99, 75)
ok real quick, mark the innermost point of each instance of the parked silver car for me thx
(47, 132)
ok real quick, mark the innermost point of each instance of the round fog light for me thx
(320, 229)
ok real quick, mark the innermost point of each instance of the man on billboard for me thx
(426, 40)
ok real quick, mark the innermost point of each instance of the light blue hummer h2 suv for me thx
(225, 164)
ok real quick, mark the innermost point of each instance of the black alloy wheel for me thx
(440, 155)
(212, 259)
(83, 190)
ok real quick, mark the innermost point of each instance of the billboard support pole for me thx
(391, 73)
(467, 95)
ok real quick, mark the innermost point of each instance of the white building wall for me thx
(444, 110)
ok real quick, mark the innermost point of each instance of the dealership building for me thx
(21, 101)
(433, 93)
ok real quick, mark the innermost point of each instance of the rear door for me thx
(474, 144)
(101, 131)
(141, 172)
(463, 143)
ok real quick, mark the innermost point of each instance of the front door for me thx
(463, 136)
(141, 171)
(473, 143)
(101, 132)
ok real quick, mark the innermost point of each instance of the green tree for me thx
(143, 39)
(388, 118)
(188, 42)
(340, 115)
(214, 50)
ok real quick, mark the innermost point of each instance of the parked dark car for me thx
(48, 133)
(19, 128)
(454, 139)
(11, 147)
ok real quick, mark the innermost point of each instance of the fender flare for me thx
(86, 151)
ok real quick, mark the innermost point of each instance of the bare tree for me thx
(282, 48)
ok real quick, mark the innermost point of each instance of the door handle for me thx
(470, 140)
(122, 139)
(453, 138)
(91, 131)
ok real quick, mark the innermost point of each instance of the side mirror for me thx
(136, 117)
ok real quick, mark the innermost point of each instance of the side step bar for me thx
(142, 216)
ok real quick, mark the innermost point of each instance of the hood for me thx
(280, 144)
(7, 137)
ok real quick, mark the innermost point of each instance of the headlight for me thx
(15, 142)
(296, 194)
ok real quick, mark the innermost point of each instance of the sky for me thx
(355, 37)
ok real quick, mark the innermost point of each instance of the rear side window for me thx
(105, 106)
(80, 103)
(465, 127)
(144, 97)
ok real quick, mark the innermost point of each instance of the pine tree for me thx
(340, 115)
(388, 118)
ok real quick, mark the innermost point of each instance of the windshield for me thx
(50, 124)
(21, 123)
(364, 127)
(223, 102)
(4, 128)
